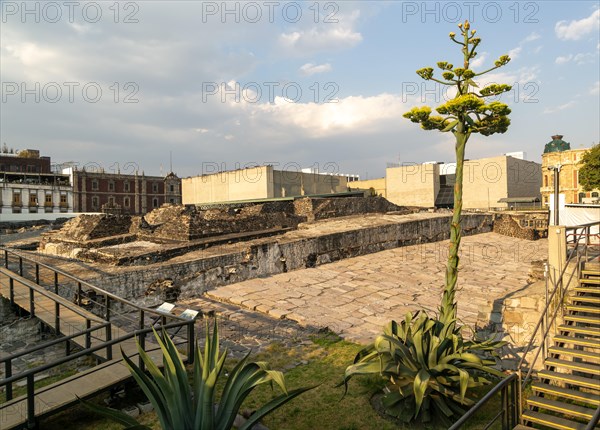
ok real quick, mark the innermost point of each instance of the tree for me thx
(589, 173)
(465, 114)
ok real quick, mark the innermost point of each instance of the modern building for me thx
(28, 185)
(558, 155)
(261, 182)
(135, 194)
(487, 183)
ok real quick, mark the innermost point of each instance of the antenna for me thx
(171, 161)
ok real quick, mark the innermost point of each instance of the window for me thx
(95, 185)
(32, 199)
(155, 187)
(545, 180)
(16, 197)
(126, 186)
(126, 202)
(111, 185)
(171, 200)
(172, 188)
(581, 197)
(63, 199)
(111, 201)
(595, 194)
(95, 202)
(48, 200)
(155, 202)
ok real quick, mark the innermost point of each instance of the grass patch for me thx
(321, 363)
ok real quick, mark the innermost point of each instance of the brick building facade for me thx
(122, 193)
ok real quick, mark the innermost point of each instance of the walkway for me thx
(356, 296)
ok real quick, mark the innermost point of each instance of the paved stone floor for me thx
(355, 297)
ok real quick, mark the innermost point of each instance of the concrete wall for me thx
(379, 185)
(243, 184)
(524, 178)
(484, 183)
(261, 182)
(413, 184)
(290, 183)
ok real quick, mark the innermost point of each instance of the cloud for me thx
(516, 52)
(560, 107)
(575, 30)
(479, 60)
(595, 90)
(579, 59)
(322, 38)
(309, 69)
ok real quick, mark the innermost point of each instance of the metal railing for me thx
(579, 240)
(113, 310)
(509, 399)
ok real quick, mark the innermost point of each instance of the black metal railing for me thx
(508, 414)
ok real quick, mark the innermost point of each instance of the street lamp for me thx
(556, 170)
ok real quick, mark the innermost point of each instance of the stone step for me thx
(566, 393)
(589, 281)
(587, 290)
(585, 299)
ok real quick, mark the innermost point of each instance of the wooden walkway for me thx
(73, 319)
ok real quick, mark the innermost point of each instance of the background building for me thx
(261, 182)
(122, 193)
(29, 186)
(487, 183)
(558, 153)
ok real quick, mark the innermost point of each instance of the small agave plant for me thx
(429, 367)
(180, 405)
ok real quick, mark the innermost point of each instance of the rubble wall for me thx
(275, 256)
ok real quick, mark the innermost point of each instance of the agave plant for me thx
(181, 406)
(429, 366)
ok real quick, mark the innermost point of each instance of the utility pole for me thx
(556, 170)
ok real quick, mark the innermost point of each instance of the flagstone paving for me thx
(356, 296)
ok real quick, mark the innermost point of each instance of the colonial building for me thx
(558, 155)
(99, 191)
(29, 186)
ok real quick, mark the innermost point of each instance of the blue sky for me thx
(131, 82)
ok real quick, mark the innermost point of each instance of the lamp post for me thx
(556, 170)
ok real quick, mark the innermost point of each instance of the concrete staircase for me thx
(568, 389)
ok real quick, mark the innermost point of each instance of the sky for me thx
(210, 86)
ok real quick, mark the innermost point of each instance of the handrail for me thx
(591, 425)
(38, 289)
(93, 287)
(53, 342)
(88, 351)
(489, 395)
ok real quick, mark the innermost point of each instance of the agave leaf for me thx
(441, 404)
(419, 388)
(113, 414)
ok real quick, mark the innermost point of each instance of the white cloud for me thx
(579, 59)
(324, 37)
(560, 107)
(309, 69)
(514, 53)
(563, 59)
(575, 30)
(479, 60)
(595, 90)
(533, 36)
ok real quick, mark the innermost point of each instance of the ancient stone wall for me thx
(277, 256)
(530, 226)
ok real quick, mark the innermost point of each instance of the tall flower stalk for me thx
(465, 114)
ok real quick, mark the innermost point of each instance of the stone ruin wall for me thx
(529, 226)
